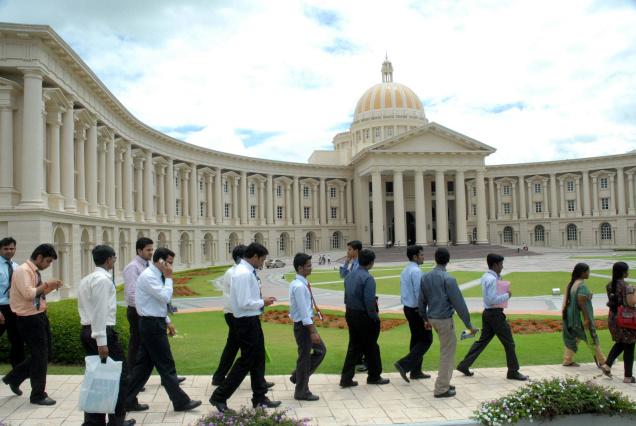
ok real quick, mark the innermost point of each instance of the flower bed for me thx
(329, 320)
(542, 400)
(544, 325)
(250, 417)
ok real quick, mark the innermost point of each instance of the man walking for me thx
(301, 311)
(440, 297)
(363, 322)
(9, 320)
(28, 300)
(421, 335)
(153, 293)
(247, 306)
(493, 322)
(351, 264)
(97, 305)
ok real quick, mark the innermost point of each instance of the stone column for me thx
(595, 195)
(32, 158)
(341, 204)
(218, 198)
(288, 203)
(491, 198)
(128, 183)
(270, 200)
(531, 208)
(297, 198)
(498, 201)
(119, 201)
(349, 201)
(398, 209)
(515, 209)
(235, 207)
(67, 159)
(91, 168)
(139, 185)
(378, 208)
(81, 169)
(482, 225)
(522, 199)
(54, 121)
(195, 208)
(161, 192)
(209, 198)
(261, 202)
(460, 208)
(110, 178)
(554, 210)
(420, 209)
(630, 188)
(586, 193)
(315, 205)
(148, 188)
(323, 202)
(441, 208)
(620, 181)
(171, 203)
(546, 206)
(579, 202)
(612, 195)
(6, 151)
(562, 192)
(243, 201)
(101, 188)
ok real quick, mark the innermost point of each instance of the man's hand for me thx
(166, 269)
(269, 300)
(1, 318)
(171, 330)
(473, 330)
(53, 285)
(315, 338)
(427, 325)
(102, 351)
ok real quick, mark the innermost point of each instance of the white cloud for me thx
(566, 71)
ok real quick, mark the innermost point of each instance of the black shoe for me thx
(44, 401)
(515, 375)
(449, 393)
(451, 387)
(191, 405)
(349, 384)
(265, 403)
(378, 381)
(420, 375)
(14, 388)
(142, 389)
(308, 397)
(465, 371)
(402, 371)
(292, 379)
(362, 368)
(129, 422)
(181, 380)
(270, 384)
(216, 382)
(137, 407)
(220, 405)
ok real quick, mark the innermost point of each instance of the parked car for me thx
(271, 263)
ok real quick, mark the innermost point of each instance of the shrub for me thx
(65, 333)
(250, 417)
(552, 397)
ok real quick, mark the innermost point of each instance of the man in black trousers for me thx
(97, 305)
(493, 322)
(363, 322)
(8, 319)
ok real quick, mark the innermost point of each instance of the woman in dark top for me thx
(621, 294)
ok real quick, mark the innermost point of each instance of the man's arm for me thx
(369, 298)
(490, 291)
(422, 302)
(344, 269)
(416, 279)
(22, 283)
(99, 309)
(457, 300)
(155, 287)
(241, 285)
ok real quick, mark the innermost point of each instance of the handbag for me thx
(100, 387)
(626, 315)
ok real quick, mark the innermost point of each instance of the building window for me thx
(279, 191)
(305, 192)
(570, 186)
(335, 240)
(252, 189)
(506, 189)
(279, 212)
(474, 234)
(507, 235)
(366, 134)
(306, 212)
(334, 212)
(226, 210)
(506, 208)
(177, 209)
(539, 233)
(571, 205)
(474, 209)
(606, 231)
(474, 191)
(308, 241)
(281, 244)
(571, 232)
(389, 131)
(202, 209)
(433, 187)
(605, 203)
(377, 132)
(537, 188)
(253, 212)
(450, 186)
(333, 192)
(603, 182)
(176, 181)
(201, 185)
(538, 207)
(359, 135)
(225, 187)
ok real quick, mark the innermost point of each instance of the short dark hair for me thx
(238, 252)
(412, 251)
(493, 258)
(255, 249)
(162, 253)
(142, 243)
(7, 241)
(300, 260)
(355, 244)
(101, 253)
(44, 250)
(442, 256)
(366, 257)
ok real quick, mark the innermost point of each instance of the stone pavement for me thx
(396, 403)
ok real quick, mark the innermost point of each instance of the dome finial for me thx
(387, 70)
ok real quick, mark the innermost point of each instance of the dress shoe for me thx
(451, 387)
(143, 389)
(606, 369)
(362, 368)
(129, 422)
(270, 384)
(292, 379)
(465, 371)
(448, 394)
(402, 371)
(44, 401)
(378, 381)
(308, 397)
(265, 403)
(14, 388)
(191, 405)
(137, 407)
(181, 380)
(349, 384)
(220, 405)
(629, 380)
(420, 375)
(515, 375)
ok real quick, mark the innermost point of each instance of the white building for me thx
(77, 169)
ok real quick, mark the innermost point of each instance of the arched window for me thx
(571, 231)
(335, 240)
(282, 244)
(606, 231)
(539, 233)
(507, 235)
(309, 240)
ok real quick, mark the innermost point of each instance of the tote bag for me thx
(100, 387)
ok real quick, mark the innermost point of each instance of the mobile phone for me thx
(160, 260)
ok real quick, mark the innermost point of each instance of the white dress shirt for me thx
(152, 295)
(97, 303)
(300, 305)
(245, 293)
(227, 284)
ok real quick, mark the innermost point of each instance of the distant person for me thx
(620, 293)
(578, 318)
(421, 336)
(440, 297)
(311, 348)
(8, 319)
(493, 322)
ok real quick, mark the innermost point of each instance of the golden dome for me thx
(388, 96)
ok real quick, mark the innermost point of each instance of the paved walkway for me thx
(396, 403)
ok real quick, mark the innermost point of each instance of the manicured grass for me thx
(540, 284)
(324, 276)
(629, 256)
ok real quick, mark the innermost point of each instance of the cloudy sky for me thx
(538, 80)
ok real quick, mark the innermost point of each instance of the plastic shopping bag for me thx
(100, 386)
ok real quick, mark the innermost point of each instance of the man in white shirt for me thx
(154, 291)
(301, 311)
(247, 306)
(97, 305)
(8, 318)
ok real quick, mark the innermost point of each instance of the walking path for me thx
(395, 403)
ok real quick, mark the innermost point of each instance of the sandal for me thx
(606, 369)
(571, 364)
(629, 380)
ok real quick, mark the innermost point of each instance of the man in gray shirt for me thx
(439, 299)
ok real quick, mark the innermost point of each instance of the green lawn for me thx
(631, 256)
(201, 337)
(540, 284)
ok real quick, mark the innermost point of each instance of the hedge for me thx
(65, 331)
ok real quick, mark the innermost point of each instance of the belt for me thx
(149, 317)
(493, 309)
(88, 326)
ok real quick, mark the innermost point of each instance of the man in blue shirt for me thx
(363, 322)
(8, 320)
(493, 322)
(421, 333)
